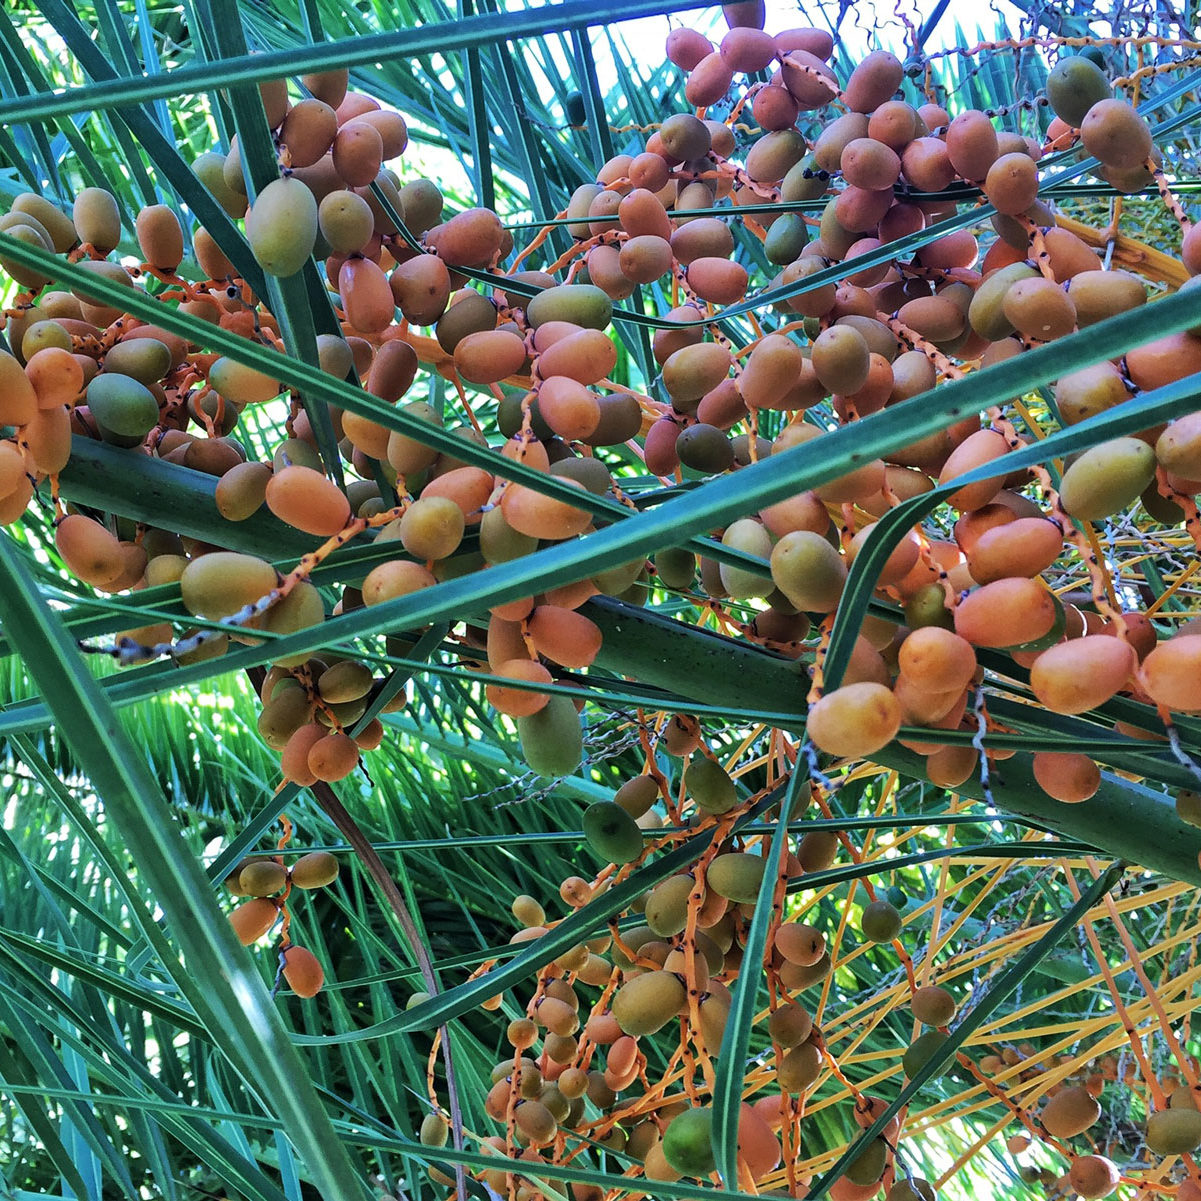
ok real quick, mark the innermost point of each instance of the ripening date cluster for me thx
(840, 169)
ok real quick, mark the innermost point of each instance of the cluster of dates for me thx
(885, 334)
(534, 345)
